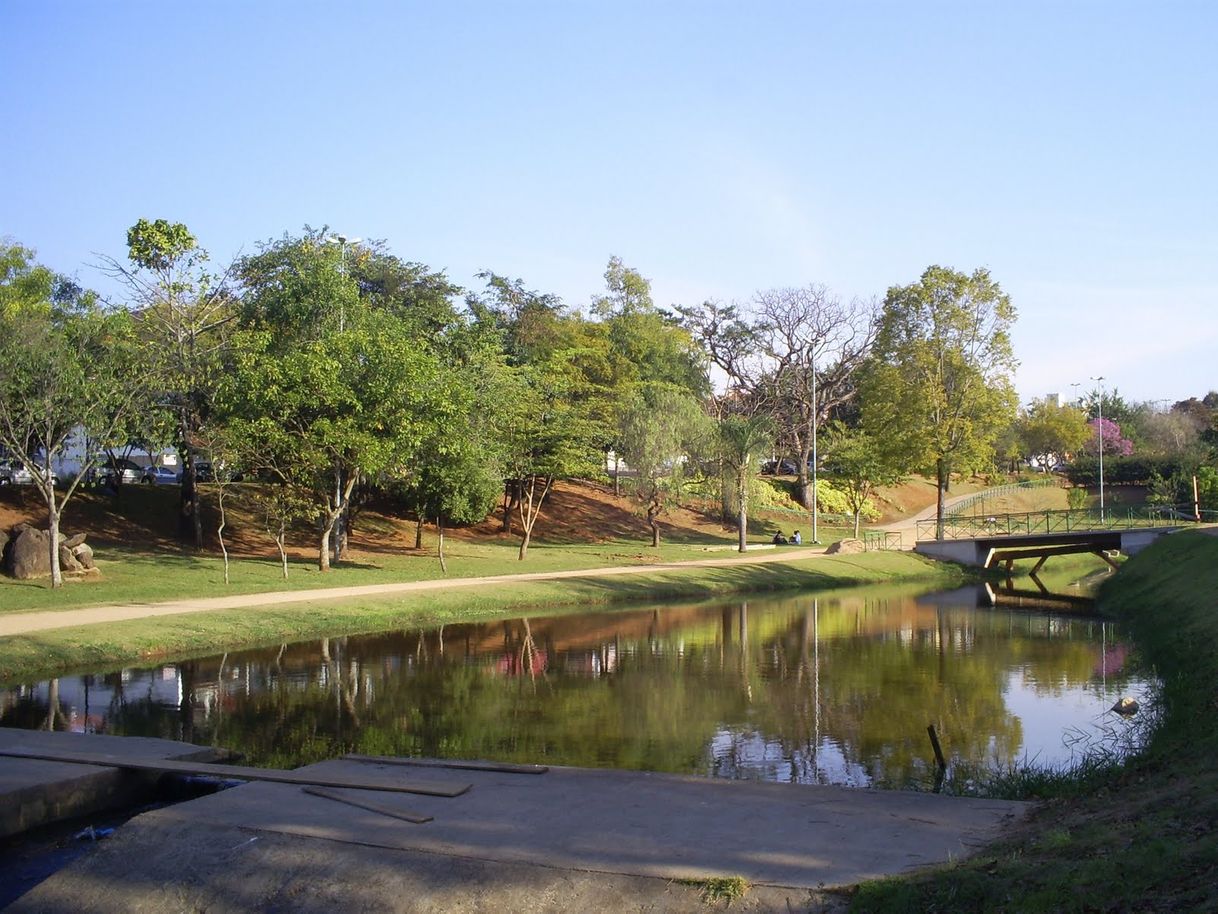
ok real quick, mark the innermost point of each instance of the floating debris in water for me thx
(1126, 706)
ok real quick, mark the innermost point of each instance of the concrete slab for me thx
(570, 839)
(34, 792)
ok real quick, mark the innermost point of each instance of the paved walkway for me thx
(31, 622)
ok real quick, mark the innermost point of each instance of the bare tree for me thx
(813, 344)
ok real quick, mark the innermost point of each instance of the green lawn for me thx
(28, 657)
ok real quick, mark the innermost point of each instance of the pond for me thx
(831, 689)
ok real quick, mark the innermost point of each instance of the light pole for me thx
(342, 240)
(815, 423)
(1100, 427)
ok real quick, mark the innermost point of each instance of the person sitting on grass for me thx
(779, 539)
(796, 539)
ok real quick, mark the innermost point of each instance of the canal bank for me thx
(39, 644)
(556, 839)
(1135, 836)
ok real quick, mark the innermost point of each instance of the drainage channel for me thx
(28, 858)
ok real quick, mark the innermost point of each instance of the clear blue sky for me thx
(719, 148)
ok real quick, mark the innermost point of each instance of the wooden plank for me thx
(505, 767)
(367, 804)
(240, 772)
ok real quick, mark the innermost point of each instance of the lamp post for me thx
(815, 423)
(342, 240)
(1100, 427)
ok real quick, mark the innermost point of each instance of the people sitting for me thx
(796, 539)
(779, 539)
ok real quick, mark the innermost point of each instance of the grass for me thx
(1133, 835)
(28, 657)
(720, 888)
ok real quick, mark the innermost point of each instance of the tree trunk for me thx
(53, 518)
(524, 546)
(323, 550)
(941, 473)
(529, 505)
(418, 531)
(220, 531)
(617, 474)
(440, 545)
(283, 552)
(857, 515)
(742, 521)
(653, 519)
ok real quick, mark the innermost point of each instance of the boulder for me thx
(846, 547)
(84, 554)
(29, 555)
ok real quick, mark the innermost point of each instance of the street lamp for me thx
(342, 240)
(1100, 426)
(815, 423)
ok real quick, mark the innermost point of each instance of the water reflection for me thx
(835, 690)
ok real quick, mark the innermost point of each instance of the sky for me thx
(719, 148)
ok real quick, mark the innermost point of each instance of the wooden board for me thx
(505, 767)
(416, 818)
(240, 772)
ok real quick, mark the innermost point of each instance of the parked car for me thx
(784, 467)
(21, 475)
(125, 471)
(159, 476)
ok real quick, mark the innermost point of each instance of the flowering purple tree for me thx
(1110, 433)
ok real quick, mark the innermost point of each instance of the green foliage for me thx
(1047, 430)
(939, 392)
(1076, 498)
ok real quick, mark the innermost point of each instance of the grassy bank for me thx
(1142, 836)
(29, 657)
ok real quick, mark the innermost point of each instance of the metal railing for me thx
(882, 541)
(980, 498)
(1033, 522)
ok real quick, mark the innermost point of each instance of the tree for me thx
(1105, 435)
(65, 366)
(659, 426)
(857, 468)
(939, 389)
(185, 314)
(1049, 431)
(329, 395)
(814, 344)
(743, 441)
(546, 438)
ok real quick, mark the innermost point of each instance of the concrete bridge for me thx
(994, 540)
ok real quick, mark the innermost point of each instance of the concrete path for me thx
(515, 842)
(23, 623)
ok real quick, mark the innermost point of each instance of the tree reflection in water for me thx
(832, 689)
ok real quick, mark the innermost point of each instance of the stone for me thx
(73, 541)
(84, 554)
(67, 561)
(30, 555)
(846, 547)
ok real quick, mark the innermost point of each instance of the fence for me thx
(967, 505)
(1028, 523)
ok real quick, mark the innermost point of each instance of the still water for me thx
(837, 689)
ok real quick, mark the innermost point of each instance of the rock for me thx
(4, 540)
(30, 556)
(67, 561)
(846, 547)
(1126, 706)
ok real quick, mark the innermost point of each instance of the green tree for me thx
(857, 467)
(66, 367)
(660, 426)
(1048, 430)
(939, 389)
(743, 442)
(185, 315)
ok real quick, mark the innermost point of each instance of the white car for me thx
(159, 476)
(21, 475)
